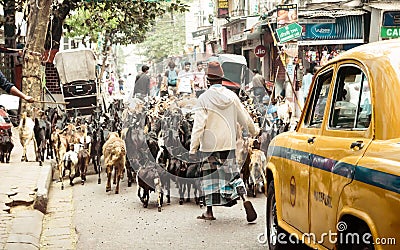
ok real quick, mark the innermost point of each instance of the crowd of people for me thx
(171, 82)
(189, 81)
(111, 83)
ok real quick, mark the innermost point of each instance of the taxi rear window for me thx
(315, 112)
(351, 106)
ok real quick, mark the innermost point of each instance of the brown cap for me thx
(215, 71)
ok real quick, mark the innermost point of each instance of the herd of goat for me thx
(149, 140)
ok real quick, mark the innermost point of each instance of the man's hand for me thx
(29, 99)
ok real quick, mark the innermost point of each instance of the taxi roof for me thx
(382, 64)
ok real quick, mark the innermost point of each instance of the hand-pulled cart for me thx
(76, 69)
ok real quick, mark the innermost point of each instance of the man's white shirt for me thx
(185, 78)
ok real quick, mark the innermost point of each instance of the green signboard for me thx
(289, 32)
(390, 32)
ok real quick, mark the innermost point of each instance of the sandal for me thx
(203, 217)
(250, 211)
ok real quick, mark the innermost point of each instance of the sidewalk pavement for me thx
(24, 188)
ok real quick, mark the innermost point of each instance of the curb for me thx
(43, 185)
(25, 230)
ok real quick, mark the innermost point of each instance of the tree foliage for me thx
(118, 22)
(121, 22)
(167, 38)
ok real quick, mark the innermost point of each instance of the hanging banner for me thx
(223, 8)
(287, 14)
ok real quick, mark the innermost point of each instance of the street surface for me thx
(86, 217)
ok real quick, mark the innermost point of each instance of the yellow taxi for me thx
(334, 182)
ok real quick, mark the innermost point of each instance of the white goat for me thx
(26, 135)
(258, 163)
(70, 163)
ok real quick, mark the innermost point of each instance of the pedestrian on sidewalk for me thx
(199, 79)
(217, 112)
(306, 83)
(121, 84)
(185, 80)
(259, 89)
(171, 79)
(110, 85)
(159, 80)
(11, 89)
(142, 83)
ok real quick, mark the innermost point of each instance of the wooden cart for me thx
(76, 69)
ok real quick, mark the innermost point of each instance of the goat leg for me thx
(145, 198)
(49, 153)
(129, 174)
(108, 186)
(196, 198)
(158, 190)
(8, 157)
(72, 174)
(181, 191)
(95, 165)
(115, 175)
(138, 193)
(159, 202)
(253, 179)
(99, 172)
(117, 187)
(120, 172)
(23, 153)
(188, 184)
(83, 175)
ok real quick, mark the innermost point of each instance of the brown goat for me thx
(257, 167)
(83, 162)
(114, 152)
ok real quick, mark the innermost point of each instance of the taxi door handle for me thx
(357, 145)
(311, 140)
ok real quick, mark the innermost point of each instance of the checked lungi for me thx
(220, 178)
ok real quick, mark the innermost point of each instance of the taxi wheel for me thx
(363, 234)
(273, 229)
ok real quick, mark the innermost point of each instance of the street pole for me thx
(284, 65)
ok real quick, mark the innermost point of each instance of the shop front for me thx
(385, 21)
(237, 34)
(324, 38)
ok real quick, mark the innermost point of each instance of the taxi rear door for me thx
(346, 133)
(295, 176)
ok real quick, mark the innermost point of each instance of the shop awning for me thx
(202, 32)
(329, 42)
(384, 6)
(329, 13)
(239, 27)
(337, 32)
